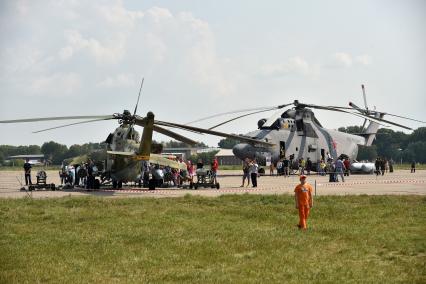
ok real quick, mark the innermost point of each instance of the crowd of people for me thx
(335, 168)
(81, 175)
(177, 177)
(383, 166)
(250, 172)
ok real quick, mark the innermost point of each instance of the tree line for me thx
(55, 153)
(388, 144)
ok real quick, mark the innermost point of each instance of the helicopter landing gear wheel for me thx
(151, 184)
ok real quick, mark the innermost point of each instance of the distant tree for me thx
(34, 149)
(415, 151)
(178, 144)
(367, 153)
(227, 143)
(74, 151)
(351, 129)
(389, 142)
(418, 135)
(8, 150)
(54, 151)
(206, 157)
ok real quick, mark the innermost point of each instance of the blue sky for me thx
(203, 57)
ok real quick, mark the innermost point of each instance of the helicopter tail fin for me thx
(146, 142)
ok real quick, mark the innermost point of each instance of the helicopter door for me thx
(282, 149)
(322, 154)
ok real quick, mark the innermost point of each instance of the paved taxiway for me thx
(399, 182)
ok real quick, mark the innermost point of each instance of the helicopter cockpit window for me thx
(109, 138)
(272, 120)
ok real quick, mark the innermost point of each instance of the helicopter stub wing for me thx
(132, 155)
(215, 133)
(158, 159)
(121, 153)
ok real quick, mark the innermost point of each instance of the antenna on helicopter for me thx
(365, 97)
(366, 107)
(137, 102)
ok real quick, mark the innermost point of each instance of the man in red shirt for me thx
(304, 201)
(215, 167)
(347, 164)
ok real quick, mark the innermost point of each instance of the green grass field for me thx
(246, 238)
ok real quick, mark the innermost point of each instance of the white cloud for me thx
(342, 59)
(364, 59)
(346, 60)
(111, 51)
(57, 84)
(294, 65)
(117, 15)
(66, 52)
(121, 80)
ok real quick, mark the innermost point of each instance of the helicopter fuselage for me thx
(122, 168)
(303, 139)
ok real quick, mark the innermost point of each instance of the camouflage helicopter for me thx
(297, 132)
(125, 155)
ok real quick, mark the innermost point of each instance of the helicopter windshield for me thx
(272, 119)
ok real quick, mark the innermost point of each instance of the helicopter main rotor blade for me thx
(66, 125)
(403, 117)
(213, 132)
(57, 118)
(174, 135)
(256, 110)
(240, 116)
(366, 111)
(375, 119)
(230, 112)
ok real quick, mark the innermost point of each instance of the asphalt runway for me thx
(399, 183)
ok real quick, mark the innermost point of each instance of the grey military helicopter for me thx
(297, 132)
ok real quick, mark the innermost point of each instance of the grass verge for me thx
(245, 238)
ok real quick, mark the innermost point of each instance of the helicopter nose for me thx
(243, 150)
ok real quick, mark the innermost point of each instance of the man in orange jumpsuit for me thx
(304, 202)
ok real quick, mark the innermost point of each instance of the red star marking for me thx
(334, 144)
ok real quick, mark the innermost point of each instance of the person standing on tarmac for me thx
(27, 171)
(254, 170)
(377, 166)
(304, 201)
(413, 166)
(383, 166)
(347, 164)
(215, 167)
(246, 172)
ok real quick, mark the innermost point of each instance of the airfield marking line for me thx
(369, 182)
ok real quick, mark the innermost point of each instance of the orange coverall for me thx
(303, 195)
